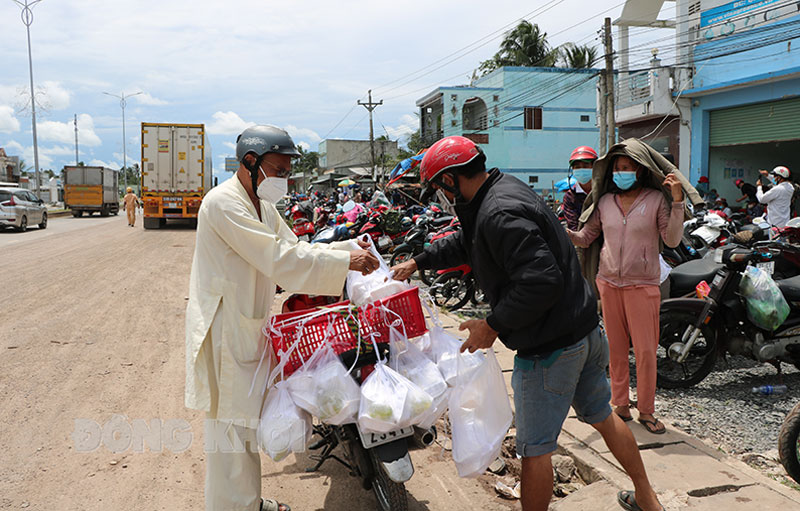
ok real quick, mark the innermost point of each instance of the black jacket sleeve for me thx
(536, 282)
(446, 252)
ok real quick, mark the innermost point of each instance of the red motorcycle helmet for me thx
(582, 153)
(447, 155)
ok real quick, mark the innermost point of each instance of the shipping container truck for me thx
(91, 189)
(176, 171)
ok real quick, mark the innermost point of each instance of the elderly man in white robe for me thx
(243, 250)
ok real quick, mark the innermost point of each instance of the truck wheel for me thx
(76, 213)
(152, 223)
(104, 212)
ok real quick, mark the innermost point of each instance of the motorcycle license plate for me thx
(384, 241)
(304, 237)
(370, 439)
(768, 267)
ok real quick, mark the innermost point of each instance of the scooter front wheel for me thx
(451, 290)
(787, 443)
(391, 496)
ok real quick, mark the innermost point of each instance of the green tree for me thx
(307, 163)
(525, 45)
(577, 56)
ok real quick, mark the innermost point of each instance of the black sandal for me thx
(654, 423)
(627, 500)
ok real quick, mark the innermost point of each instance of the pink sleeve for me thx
(670, 222)
(590, 231)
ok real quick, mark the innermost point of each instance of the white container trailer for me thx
(176, 171)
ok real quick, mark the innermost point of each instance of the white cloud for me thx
(146, 99)
(56, 96)
(408, 125)
(60, 150)
(303, 133)
(14, 148)
(230, 144)
(227, 123)
(101, 163)
(64, 132)
(8, 123)
(9, 94)
(305, 145)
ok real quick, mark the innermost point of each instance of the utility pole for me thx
(123, 102)
(76, 139)
(611, 125)
(601, 106)
(370, 106)
(27, 19)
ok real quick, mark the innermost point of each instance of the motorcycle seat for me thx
(790, 288)
(441, 221)
(684, 277)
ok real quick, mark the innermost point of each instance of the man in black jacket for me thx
(542, 308)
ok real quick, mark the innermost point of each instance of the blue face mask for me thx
(583, 176)
(624, 180)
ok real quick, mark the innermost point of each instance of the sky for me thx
(299, 65)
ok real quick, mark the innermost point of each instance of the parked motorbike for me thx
(787, 443)
(695, 331)
(416, 240)
(380, 460)
(454, 287)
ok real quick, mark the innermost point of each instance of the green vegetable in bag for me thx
(766, 306)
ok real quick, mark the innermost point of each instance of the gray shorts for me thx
(543, 395)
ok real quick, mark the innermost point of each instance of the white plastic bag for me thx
(409, 361)
(480, 415)
(389, 401)
(455, 367)
(364, 289)
(324, 388)
(283, 427)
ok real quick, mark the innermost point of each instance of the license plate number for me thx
(370, 439)
(768, 267)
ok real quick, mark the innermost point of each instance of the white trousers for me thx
(233, 463)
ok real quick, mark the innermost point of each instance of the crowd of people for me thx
(542, 283)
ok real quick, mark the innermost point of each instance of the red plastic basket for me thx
(340, 326)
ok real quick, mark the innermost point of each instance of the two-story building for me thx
(526, 119)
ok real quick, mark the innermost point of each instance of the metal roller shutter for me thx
(751, 124)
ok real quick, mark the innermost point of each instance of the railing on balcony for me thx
(632, 88)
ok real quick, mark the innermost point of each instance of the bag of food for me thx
(766, 306)
(409, 361)
(480, 415)
(324, 388)
(446, 353)
(283, 427)
(389, 401)
(364, 289)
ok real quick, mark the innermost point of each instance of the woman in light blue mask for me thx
(633, 217)
(580, 162)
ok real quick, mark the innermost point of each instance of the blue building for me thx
(745, 92)
(526, 119)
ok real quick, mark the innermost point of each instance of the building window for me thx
(584, 118)
(532, 180)
(453, 97)
(533, 118)
(474, 115)
(496, 97)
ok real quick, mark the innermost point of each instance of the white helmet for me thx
(781, 171)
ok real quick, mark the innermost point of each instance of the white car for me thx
(20, 208)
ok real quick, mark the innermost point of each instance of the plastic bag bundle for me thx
(437, 409)
(455, 367)
(766, 306)
(364, 289)
(283, 427)
(409, 361)
(390, 401)
(324, 388)
(480, 415)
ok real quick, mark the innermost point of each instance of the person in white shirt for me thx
(243, 249)
(779, 198)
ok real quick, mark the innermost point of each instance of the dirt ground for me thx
(92, 327)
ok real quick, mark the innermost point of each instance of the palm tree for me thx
(525, 45)
(578, 57)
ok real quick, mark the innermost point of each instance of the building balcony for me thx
(640, 95)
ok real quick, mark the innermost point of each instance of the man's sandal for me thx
(652, 426)
(273, 505)
(627, 500)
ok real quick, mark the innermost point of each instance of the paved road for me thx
(91, 326)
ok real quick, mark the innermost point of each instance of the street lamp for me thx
(27, 19)
(122, 103)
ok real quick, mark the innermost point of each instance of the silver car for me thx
(20, 208)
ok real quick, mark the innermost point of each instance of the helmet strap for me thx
(455, 190)
(254, 168)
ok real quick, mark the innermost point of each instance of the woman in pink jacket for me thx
(633, 217)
